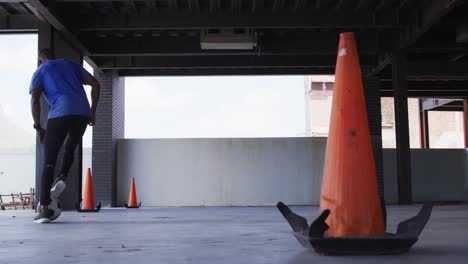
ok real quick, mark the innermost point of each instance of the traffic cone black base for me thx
(138, 206)
(313, 236)
(78, 208)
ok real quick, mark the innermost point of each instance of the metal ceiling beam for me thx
(153, 6)
(429, 94)
(173, 5)
(186, 45)
(44, 14)
(84, 1)
(277, 5)
(462, 33)
(436, 70)
(439, 48)
(214, 5)
(194, 21)
(434, 103)
(3, 12)
(299, 4)
(236, 6)
(405, 4)
(420, 20)
(257, 5)
(380, 5)
(19, 24)
(168, 62)
(17, 8)
(362, 4)
(431, 86)
(459, 56)
(321, 4)
(339, 5)
(132, 6)
(194, 6)
(431, 68)
(382, 64)
(225, 71)
(449, 108)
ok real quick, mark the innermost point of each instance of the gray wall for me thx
(221, 172)
(437, 175)
(263, 171)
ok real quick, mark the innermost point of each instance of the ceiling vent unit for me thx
(228, 39)
(462, 33)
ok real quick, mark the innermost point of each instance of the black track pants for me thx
(58, 129)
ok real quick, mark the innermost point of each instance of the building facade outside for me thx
(445, 128)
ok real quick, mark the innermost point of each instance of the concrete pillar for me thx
(374, 112)
(400, 87)
(49, 38)
(110, 126)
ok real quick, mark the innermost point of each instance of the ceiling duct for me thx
(462, 33)
(228, 39)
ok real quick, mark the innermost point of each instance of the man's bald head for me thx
(45, 55)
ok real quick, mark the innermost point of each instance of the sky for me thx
(172, 107)
(18, 61)
(226, 106)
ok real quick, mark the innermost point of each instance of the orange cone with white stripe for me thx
(349, 187)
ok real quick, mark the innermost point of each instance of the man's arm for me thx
(36, 112)
(95, 92)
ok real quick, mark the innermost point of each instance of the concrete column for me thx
(400, 87)
(49, 38)
(374, 112)
(110, 126)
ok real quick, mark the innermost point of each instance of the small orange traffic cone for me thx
(132, 198)
(349, 187)
(88, 198)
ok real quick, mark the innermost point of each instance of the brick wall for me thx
(110, 120)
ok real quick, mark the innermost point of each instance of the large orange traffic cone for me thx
(132, 198)
(351, 220)
(349, 187)
(88, 198)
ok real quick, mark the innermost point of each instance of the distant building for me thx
(318, 101)
(446, 128)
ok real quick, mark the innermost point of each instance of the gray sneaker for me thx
(44, 216)
(55, 206)
(58, 187)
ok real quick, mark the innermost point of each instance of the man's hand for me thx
(95, 92)
(92, 119)
(41, 134)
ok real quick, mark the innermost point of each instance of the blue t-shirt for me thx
(62, 84)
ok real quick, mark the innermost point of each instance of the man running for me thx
(61, 81)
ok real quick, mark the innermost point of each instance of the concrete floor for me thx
(206, 235)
